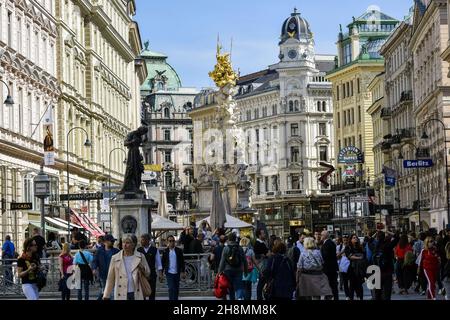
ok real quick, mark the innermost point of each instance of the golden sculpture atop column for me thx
(223, 72)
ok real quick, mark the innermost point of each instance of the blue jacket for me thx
(102, 259)
(8, 250)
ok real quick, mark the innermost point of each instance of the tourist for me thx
(429, 262)
(217, 253)
(358, 267)
(402, 270)
(52, 243)
(301, 238)
(65, 262)
(76, 237)
(125, 271)
(100, 242)
(344, 264)
(196, 245)
(261, 254)
(330, 264)
(252, 276)
(102, 260)
(318, 239)
(40, 242)
(83, 259)
(8, 254)
(312, 283)
(173, 268)
(279, 274)
(28, 266)
(234, 265)
(383, 257)
(418, 246)
(153, 258)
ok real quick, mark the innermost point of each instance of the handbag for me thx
(144, 284)
(86, 271)
(41, 280)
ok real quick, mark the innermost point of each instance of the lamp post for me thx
(42, 191)
(425, 137)
(109, 168)
(9, 102)
(87, 143)
(400, 157)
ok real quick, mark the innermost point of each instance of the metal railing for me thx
(199, 277)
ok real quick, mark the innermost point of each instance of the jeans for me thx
(237, 285)
(31, 291)
(446, 284)
(85, 285)
(173, 282)
(65, 292)
(248, 290)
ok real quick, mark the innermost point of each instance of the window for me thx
(249, 115)
(295, 182)
(166, 113)
(168, 156)
(358, 84)
(322, 129)
(337, 92)
(295, 154)
(258, 186)
(324, 106)
(266, 183)
(9, 28)
(168, 180)
(291, 106)
(323, 153)
(338, 119)
(359, 114)
(257, 135)
(20, 94)
(256, 113)
(191, 137)
(294, 129)
(319, 106)
(167, 135)
(296, 104)
(353, 116)
(264, 111)
(19, 34)
(36, 47)
(347, 53)
(274, 109)
(360, 142)
(28, 40)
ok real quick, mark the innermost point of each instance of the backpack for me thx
(409, 259)
(233, 257)
(250, 264)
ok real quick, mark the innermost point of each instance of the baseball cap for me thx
(109, 237)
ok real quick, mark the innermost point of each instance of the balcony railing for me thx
(406, 96)
(407, 134)
(386, 147)
(386, 113)
(293, 192)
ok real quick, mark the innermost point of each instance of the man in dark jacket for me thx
(218, 252)
(384, 258)
(102, 259)
(173, 267)
(196, 245)
(234, 265)
(261, 254)
(186, 237)
(153, 258)
(330, 264)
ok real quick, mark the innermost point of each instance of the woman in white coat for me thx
(123, 274)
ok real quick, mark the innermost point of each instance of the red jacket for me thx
(429, 260)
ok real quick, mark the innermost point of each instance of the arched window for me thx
(296, 105)
(166, 113)
(168, 181)
(324, 106)
(291, 106)
(319, 106)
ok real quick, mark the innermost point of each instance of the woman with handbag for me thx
(83, 259)
(128, 274)
(65, 261)
(312, 283)
(358, 266)
(27, 269)
(344, 264)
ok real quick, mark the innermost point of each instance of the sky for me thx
(186, 30)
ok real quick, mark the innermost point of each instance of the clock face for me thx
(292, 54)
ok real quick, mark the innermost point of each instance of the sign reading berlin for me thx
(350, 155)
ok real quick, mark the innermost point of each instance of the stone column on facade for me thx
(283, 145)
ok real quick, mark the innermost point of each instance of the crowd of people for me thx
(312, 266)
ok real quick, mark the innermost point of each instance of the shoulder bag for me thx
(86, 271)
(144, 284)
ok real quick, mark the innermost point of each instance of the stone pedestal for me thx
(131, 216)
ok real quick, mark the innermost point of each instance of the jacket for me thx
(224, 265)
(102, 259)
(328, 252)
(280, 268)
(152, 256)
(118, 279)
(180, 260)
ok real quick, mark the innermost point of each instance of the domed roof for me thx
(158, 69)
(295, 27)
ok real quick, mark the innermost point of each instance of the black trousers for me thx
(356, 286)
(152, 282)
(259, 288)
(386, 287)
(248, 290)
(332, 280)
(345, 281)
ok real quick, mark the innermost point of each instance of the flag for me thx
(49, 148)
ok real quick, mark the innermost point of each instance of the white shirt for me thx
(127, 261)
(158, 263)
(173, 267)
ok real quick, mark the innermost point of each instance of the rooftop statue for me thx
(223, 72)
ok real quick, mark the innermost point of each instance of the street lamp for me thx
(9, 102)
(109, 161)
(425, 137)
(42, 191)
(87, 143)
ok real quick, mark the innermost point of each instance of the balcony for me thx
(423, 153)
(407, 134)
(386, 114)
(293, 192)
(386, 147)
(406, 96)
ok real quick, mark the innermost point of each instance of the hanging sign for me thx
(49, 148)
(350, 155)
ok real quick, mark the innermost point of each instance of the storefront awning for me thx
(87, 224)
(47, 227)
(62, 223)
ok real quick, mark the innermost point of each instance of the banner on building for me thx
(49, 148)
(389, 176)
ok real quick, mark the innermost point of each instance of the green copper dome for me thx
(161, 75)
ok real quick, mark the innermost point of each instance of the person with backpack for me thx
(279, 274)
(83, 259)
(234, 265)
(383, 257)
(402, 273)
(357, 269)
(429, 262)
(252, 276)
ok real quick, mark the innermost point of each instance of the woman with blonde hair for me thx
(429, 262)
(312, 283)
(65, 262)
(127, 273)
(252, 276)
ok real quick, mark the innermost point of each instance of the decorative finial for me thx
(146, 44)
(295, 9)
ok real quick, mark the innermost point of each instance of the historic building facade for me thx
(358, 63)
(169, 141)
(28, 38)
(286, 114)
